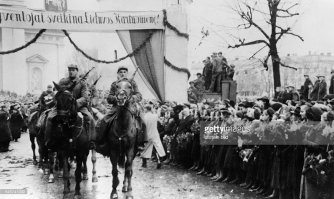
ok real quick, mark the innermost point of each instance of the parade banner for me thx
(87, 21)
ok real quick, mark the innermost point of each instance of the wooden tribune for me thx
(229, 91)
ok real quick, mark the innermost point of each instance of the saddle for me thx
(41, 122)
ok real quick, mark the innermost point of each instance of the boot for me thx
(273, 195)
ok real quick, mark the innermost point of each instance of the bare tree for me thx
(277, 9)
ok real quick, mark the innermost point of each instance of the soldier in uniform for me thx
(122, 73)
(46, 99)
(81, 94)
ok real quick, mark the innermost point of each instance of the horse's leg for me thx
(94, 178)
(78, 171)
(51, 166)
(33, 147)
(84, 164)
(66, 173)
(115, 180)
(128, 170)
(60, 165)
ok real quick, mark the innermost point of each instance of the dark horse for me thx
(66, 135)
(33, 132)
(122, 136)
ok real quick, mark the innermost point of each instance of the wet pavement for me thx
(18, 172)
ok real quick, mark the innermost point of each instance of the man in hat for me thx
(224, 65)
(315, 90)
(46, 99)
(207, 73)
(217, 70)
(122, 74)
(81, 93)
(263, 102)
(305, 91)
(322, 87)
(287, 95)
(230, 72)
(199, 83)
(331, 87)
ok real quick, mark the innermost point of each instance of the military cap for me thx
(73, 66)
(122, 68)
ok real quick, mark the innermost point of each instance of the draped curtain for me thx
(149, 59)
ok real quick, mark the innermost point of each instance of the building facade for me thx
(30, 70)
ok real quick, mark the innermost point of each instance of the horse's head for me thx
(124, 92)
(65, 102)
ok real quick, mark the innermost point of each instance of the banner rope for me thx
(170, 26)
(24, 46)
(185, 70)
(104, 61)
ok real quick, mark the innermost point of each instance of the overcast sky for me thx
(314, 24)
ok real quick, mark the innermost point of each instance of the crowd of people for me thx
(287, 151)
(278, 148)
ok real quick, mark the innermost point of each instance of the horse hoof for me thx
(77, 195)
(94, 179)
(35, 162)
(40, 170)
(51, 179)
(85, 176)
(60, 175)
(124, 189)
(113, 196)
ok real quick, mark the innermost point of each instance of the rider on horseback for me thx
(81, 94)
(122, 74)
(46, 99)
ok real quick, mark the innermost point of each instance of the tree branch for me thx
(284, 65)
(242, 43)
(286, 31)
(248, 16)
(257, 52)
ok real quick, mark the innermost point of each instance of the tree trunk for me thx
(276, 72)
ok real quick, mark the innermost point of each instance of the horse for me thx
(33, 131)
(122, 137)
(66, 134)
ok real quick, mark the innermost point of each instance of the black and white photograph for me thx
(166, 99)
(56, 5)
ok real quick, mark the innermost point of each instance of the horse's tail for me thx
(121, 158)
